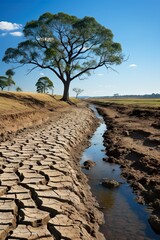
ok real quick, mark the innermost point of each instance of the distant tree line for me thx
(153, 95)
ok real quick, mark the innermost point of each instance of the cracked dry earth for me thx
(43, 193)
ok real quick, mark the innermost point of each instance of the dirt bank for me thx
(43, 193)
(133, 141)
(23, 110)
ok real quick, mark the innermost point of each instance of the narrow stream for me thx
(125, 219)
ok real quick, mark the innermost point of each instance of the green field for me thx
(146, 102)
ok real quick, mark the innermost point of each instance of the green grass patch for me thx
(148, 102)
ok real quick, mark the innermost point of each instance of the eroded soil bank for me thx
(43, 193)
(133, 141)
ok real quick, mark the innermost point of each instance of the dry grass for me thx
(16, 102)
(19, 110)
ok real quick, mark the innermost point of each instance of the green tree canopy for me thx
(10, 81)
(43, 84)
(68, 46)
(18, 89)
(3, 82)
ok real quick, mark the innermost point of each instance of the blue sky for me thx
(134, 23)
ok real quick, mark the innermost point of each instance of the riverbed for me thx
(124, 217)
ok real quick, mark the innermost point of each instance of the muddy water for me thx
(125, 219)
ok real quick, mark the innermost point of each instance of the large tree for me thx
(43, 84)
(68, 46)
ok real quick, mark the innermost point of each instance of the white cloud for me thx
(133, 65)
(46, 39)
(8, 26)
(42, 74)
(99, 74)
(16, 34)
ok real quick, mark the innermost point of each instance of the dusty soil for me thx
(133, 141)
(43, 193)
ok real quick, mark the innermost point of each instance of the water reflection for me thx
(124, 218)
(106, 199)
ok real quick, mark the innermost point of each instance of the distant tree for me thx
(18, 89)
(116, 95)
(10, 81)
(68, 46)
(3, 82)
(78, 91)
(44, 84)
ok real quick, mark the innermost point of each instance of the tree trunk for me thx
(66, 91)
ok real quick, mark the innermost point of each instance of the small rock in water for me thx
(105, 159)
(110, 183)
(103, 150)
(88, 164)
